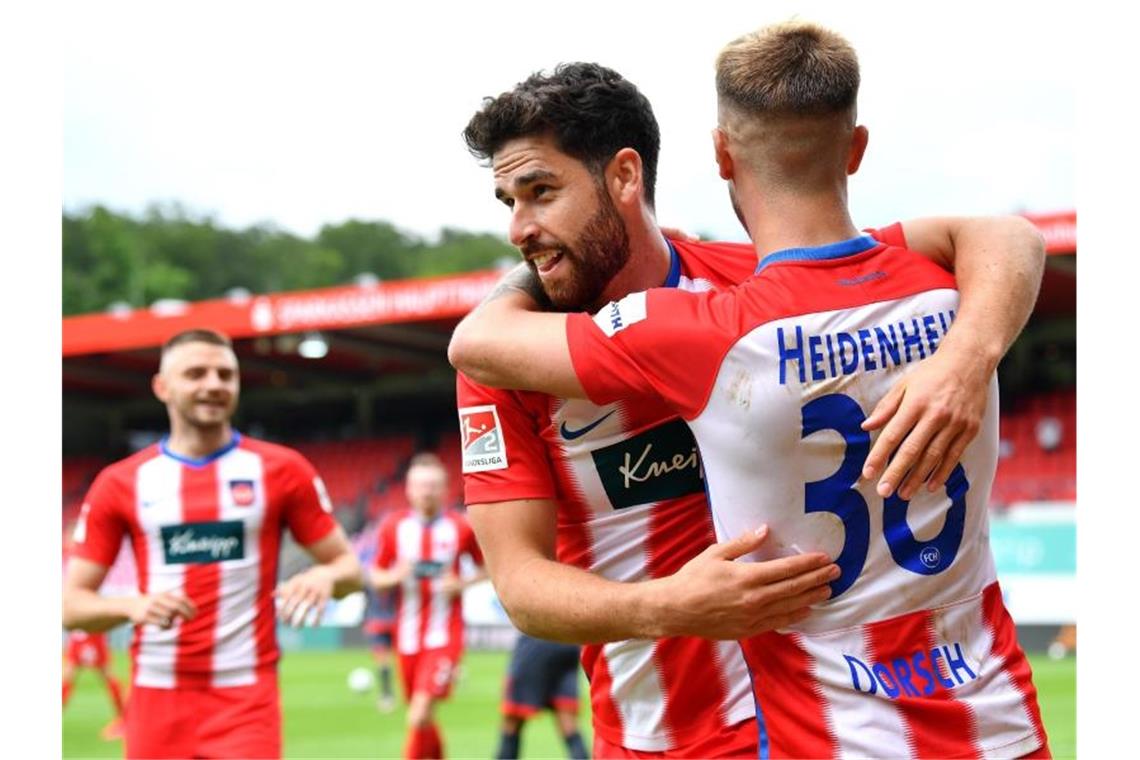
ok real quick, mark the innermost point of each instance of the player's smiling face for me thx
(562, 220)
(198, 382)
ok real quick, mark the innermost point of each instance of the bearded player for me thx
(204, 510)
(621, 485)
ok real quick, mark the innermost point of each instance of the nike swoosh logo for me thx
(570, 435)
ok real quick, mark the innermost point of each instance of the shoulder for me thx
(717, 263)
(275, 454)
(125, 470)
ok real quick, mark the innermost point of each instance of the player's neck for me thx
(193, 442)
(780, 221)
(649, 261)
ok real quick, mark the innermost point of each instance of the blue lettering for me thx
(942, 319)
(902, 672)
(931, 336)
(831, 356)
(946, 682)
(888, 346)
(615, 315)
(959, 663)
(883, 674)
(814, 342)
(868, 350)
(916, 660)
(790, 354)
(911, 340)
(845, 341)
(851, 663)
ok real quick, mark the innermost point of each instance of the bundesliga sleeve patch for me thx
(619, 315)
(482, 438)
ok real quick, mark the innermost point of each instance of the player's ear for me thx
(720, 150)
(858, 147)
(623, 176)
(158, 386)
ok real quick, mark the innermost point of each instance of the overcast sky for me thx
(302, 115)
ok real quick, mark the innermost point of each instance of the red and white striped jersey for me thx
(426, 616)
(914, 654)
(209, 528)
(631, 506)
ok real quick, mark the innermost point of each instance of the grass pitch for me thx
(323, 719)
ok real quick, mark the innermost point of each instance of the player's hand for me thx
(161, 609)
(303, 597)
(451, 585)
(679, 234)
(929, 416)
(717, 598)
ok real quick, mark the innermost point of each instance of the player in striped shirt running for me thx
(204, 510)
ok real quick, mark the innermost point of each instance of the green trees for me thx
(110, 257)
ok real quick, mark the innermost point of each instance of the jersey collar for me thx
(674, 276)
(820, 253)
(202, 462)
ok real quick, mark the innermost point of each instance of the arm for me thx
(711, 596)
(335, 574)
(930, 416)
(86, 609)
(507, 342)
(383, 579)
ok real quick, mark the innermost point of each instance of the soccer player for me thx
(541, 675)
(418, 554)
(620, 484)
(914, 654)
(89, 650)
(204, 510)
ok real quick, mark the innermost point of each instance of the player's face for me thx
(198, 382)
(426, 488)
(562, 220)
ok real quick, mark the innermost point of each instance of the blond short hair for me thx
(794, 68)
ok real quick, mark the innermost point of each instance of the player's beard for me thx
(193, 417)
(599, 253)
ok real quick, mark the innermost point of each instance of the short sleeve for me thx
(102, 523)
(892, 234)
(662, 342)
(504, 455)
(308, 509)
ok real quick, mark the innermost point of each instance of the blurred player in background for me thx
(418, 554)
(90, 651)
(621, 484)
(914, 654)
(542, 675)
(204, 510)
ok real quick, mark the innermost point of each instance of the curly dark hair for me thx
(591, 111)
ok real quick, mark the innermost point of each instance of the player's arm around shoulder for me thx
(508, 342)
(931, 415)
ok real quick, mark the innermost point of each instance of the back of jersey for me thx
(914, 654)
(782, 442)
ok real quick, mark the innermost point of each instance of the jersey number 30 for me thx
(836, 494)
